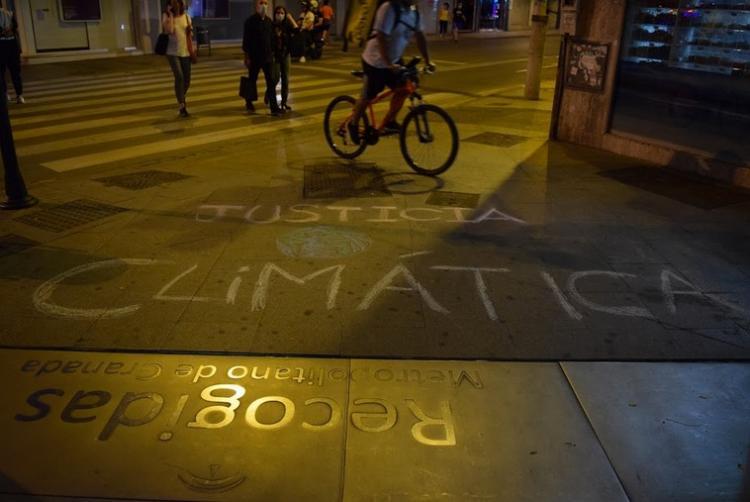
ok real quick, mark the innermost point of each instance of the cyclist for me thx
(395, 23)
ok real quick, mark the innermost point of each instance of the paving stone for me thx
(260, 459)
(694, 417)
(511, 423)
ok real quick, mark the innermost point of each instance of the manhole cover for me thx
(70, 215)
(142, 179)
(12, 244)
(497, 139)
(335, 181)
(699, 193)
(453, 199)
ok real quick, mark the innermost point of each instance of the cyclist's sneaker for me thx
(354, 132)
(20, 100)
(391, 127)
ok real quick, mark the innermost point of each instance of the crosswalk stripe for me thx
(79, 126)
(192, 141)
(189, 142)
(148, 130)
(93, 124)
(162, 68)
(165, 92)
(165, 78)
(128, 108)
(144, 116)
(145, 131)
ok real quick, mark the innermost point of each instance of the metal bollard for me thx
(15, 188)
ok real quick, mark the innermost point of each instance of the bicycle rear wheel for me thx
(335, 124)
(429, 140)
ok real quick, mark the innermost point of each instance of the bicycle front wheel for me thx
(429, 140)
(335, 124)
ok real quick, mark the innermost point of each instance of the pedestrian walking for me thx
(327, 14)
(284, 29)
(444, 18)
(459, 20)
(257, 44)
(307, 23)
(10, 54)
(177, 24)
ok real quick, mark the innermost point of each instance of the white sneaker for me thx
(20, 100)
(302, 59)
(7, 98)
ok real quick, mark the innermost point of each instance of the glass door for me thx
(492, 14)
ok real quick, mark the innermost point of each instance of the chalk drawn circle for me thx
(322, 243)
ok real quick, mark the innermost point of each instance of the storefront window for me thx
(215, 9)
(492, 14)
(684, 75)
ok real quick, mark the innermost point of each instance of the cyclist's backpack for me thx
(396, 20)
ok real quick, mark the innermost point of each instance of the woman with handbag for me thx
(284, 28)
(176, 23)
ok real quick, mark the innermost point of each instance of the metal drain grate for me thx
(70, 215)
(142, 179)
(453, 199)
(13, 244)
(497, 139)
(335, 181)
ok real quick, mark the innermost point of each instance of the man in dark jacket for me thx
(257, 44)
(10, 53)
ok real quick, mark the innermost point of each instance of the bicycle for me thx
(422, 139)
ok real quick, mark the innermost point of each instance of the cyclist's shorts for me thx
(377, 79)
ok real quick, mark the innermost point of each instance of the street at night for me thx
(219, 307)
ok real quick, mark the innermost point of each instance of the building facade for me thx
(115, 27)
(666, 81)
(55, 26)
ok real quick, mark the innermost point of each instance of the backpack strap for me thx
(398, 20)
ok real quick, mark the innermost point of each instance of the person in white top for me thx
(10, 54)
(307, 23)
(177, 23)
(396, 21)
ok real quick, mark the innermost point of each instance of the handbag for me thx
(248, 90)
(189, 40)
(161, 44)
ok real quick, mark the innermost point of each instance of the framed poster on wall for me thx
(586, 65)
(80, 11)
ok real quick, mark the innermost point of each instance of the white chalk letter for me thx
(264, 279)
(44, 292)
(481, 285)
(385, 284)
(630, 311)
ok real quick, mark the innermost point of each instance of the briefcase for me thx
(248, 89)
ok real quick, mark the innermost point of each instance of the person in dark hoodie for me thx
(257, 44)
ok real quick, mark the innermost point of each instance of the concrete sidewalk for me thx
(543, 291)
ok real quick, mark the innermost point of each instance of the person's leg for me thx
(187, 67)
(252, 74)
(14, 65)
(2, 75)
(397, 102)
(285, 67)
(179, 83)
(271, 82)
